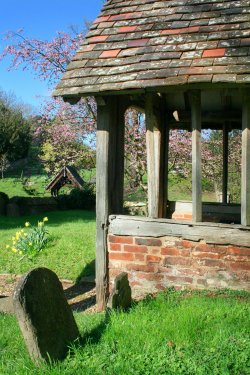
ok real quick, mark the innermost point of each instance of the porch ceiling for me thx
(143, 44)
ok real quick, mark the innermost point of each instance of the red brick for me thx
(110, 53)
(180, 280)
(135, 249)
(214, 263)
(243, 251)
(120, 239)
(150, 276)
(135, 283)
(97, 39)
(216, 52)
(121, 256)
(177, 261)
(139, 267)
(148, 241)
(101, 19)
(140, 257)
(154, 251)
(115, 247)
(170, 251)
(239, 266)
(153, 258)
(204, 247)
(202, 255)
(127, 29)
(185, 30)
(186, 243)
(138, 42)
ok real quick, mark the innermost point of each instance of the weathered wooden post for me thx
(196, 155)
(156, 141)
(109, 183)
(245, 174)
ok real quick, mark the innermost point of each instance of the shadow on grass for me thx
(87, 271)
(56, 218)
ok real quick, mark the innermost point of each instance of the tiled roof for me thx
(145, 43)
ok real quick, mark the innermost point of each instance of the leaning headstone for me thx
(44, 316)
(120, 297)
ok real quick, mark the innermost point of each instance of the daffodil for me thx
(40, 223)
(45, 218)
(27, 224)
(7, 246)
(14, 249)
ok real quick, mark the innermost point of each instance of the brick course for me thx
(157, 263)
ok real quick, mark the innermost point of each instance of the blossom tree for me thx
(72, 126)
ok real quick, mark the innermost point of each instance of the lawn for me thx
(71, 249)
(174, 333)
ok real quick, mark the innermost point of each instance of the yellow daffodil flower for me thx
(14, 249)
(45, 219)
(27, 224)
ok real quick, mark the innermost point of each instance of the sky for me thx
(41, 20)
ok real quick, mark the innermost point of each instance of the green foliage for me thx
(176, 333)
(15, 134)
(30, 242)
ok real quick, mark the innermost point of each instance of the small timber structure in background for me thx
(68, 176)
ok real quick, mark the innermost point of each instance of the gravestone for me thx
(120, 297)
(44, 316)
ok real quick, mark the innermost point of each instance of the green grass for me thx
(70, 252)
(176, 333)
(12, 186)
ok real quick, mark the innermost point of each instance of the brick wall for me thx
(157, 263)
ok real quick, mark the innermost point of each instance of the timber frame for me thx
(110, 168)
(189, 58)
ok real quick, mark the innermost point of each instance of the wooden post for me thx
(196, 156)
(156, 161)
(245, 173)
(109, 184)
(225, 164)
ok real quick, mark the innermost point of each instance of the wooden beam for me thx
(156, 158)
(245, 174)
(214, 233)
(225, 164)
(196, 155)
(109, 184)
